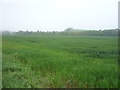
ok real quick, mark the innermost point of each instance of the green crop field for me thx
(51, 61)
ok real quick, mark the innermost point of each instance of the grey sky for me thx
(49, 15)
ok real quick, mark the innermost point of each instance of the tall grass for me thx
(60, 61)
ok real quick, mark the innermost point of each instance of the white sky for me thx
(49, 15)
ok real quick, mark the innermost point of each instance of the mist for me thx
(57, 15)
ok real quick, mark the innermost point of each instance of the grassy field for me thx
(60, 61)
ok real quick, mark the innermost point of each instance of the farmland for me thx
(59, 61)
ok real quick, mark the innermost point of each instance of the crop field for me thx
(51, 61)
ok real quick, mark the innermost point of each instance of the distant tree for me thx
(69, 29)
(20, 32)
(38, 31)
(53, 32)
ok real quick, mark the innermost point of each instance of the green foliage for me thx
(60, 61)
(68, 31)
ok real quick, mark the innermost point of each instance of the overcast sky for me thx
(49, 15)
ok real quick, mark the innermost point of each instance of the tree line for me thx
(68, 31)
